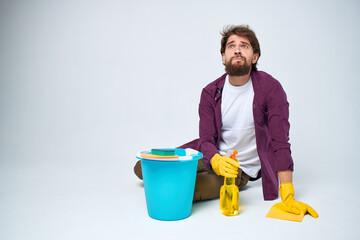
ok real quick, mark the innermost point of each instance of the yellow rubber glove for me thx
(224, 166)
(292, 206)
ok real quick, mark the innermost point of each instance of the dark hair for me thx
(241, 30)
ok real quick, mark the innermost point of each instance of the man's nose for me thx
(237, 50)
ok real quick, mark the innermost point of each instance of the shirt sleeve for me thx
(279, 126)
(207, 127)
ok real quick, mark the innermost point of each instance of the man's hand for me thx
(224, 165)
(287, 196)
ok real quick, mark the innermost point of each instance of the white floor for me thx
(106, 201)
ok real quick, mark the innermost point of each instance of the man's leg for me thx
(208, 183)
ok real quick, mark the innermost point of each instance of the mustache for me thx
(241, 57)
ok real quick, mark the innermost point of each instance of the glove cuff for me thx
(286, 191)
(215, 163)
(214, 158)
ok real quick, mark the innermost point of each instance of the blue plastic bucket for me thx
(169, 185)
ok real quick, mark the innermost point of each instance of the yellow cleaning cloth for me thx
(278, 211)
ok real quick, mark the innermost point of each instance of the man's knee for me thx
(207, 186)
(138, 170)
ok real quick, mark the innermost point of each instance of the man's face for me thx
(239, 56)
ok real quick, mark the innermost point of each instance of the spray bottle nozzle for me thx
(234, 154)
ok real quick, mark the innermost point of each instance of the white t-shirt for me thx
(238, 129)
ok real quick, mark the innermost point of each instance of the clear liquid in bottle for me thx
(229, 198)
(229, 195)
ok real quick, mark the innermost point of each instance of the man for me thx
(244, 110)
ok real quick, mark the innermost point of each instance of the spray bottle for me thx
(229, 195)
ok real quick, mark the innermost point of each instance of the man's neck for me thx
(239, 80)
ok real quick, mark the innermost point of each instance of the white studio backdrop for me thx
(84, 85)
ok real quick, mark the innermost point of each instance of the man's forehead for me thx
(235, 37)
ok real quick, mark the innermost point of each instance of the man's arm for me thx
(207, 128)
(285, 176)
(278, 121)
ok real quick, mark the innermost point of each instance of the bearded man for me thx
(244, 110)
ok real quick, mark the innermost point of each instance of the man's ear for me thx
(255, 58)
(223, 58)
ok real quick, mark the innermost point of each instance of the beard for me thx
(236, 69)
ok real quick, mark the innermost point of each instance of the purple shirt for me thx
(271, 113)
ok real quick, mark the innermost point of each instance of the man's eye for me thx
(231, 46)
(245, 46)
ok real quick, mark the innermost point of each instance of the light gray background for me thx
(84, 85)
